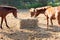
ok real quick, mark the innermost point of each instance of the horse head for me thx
(32, 12)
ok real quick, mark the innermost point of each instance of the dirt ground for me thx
(34, 33)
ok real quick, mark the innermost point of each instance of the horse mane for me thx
(8, 7)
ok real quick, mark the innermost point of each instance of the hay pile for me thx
(28, 23)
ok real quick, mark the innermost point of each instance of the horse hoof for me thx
(8, 27)
(51, 25)
(1, 27)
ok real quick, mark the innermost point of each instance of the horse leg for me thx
(47, 22)
(1, 23)
(6, 22)
(51, 21)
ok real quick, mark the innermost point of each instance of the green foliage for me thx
(22, 4)
(33, 5)
(54, 4)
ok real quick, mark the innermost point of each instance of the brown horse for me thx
(36, 11)
(53, 13)
(4, 11)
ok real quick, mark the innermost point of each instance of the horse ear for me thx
(35, 10)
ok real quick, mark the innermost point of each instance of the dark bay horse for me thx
(4, 11)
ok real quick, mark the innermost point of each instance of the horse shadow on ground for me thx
(51, 28)
(55, 28)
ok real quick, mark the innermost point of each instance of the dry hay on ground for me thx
(28, 23)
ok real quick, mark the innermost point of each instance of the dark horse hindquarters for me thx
(4, 10)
